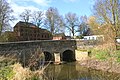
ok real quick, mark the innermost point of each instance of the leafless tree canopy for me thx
(108, 11)
(25, 16)
(72, 22)
(5, 15)
(37, 18)
(53, 20)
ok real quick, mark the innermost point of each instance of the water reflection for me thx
(73, 71)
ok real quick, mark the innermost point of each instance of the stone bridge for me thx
(61, 50)
(53, 50)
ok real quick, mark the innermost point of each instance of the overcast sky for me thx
(80, 7)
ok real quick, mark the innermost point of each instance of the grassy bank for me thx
(105, 55)
(11, 70)
(103, 59)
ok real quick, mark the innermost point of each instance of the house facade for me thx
(94, 37)
(60, 36)
(28, 31)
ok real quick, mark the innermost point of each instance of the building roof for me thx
(25, 24)
(30, 25)
(59, 35)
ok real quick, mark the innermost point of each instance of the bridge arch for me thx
(48, 56)
(68, 56)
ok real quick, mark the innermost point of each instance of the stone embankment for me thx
(108, 66)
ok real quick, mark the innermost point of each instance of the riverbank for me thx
(108, 66)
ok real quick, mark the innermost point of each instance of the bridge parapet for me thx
(27, 48)
(87, 44)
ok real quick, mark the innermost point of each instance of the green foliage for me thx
(118, 56)
(8, 37)
(6, 70)
(79, 37)
(36, 78)
(6, 62)
(100, 54)
(118, 47)
(6, 73)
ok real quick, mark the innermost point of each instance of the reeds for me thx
(16, 70)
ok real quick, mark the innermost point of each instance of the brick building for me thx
(60, 36)
(28, 31)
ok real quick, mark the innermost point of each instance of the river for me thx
(73, 71)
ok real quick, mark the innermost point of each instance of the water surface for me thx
(73, 71)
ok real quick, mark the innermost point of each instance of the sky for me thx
(80, 7)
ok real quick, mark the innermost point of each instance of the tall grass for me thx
(10, 69)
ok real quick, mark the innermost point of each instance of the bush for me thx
(25, 73)
(17, 72)
(10, 69)
(6, 73)
(8, 37)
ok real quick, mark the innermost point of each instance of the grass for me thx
(17, 72)
(25, 73)
(117, 56)
(105, 54)
(10, 69)
(6, 73)
(100, 54)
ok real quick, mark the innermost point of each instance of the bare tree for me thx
(53, 20)
(60, 28)
(107, 12)
(25, 16)
(84, 28)
(5, 15)
(84, 19)
(72, 23)
(37, 18)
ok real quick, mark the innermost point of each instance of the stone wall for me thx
(87, 44)
(25, 49)
(81, 55)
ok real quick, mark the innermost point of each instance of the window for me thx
(21, 29)
(45, 36)
(42, 36)
(34, 31)
(21, 34)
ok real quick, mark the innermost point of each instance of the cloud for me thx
(20, 5)
(42, 2)
(18, 9)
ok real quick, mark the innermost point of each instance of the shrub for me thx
(6, 73)
(8, 37)
(25, 73)
(10, 69)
